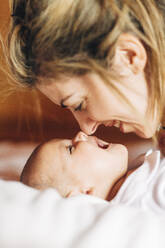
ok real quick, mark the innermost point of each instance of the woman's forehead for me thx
(57, 89)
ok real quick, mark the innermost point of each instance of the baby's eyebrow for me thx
(63, 147)
(64, 151)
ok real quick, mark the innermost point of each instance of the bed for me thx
(30, 218)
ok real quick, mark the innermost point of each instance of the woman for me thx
(101, 59)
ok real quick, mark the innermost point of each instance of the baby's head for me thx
(84, 164)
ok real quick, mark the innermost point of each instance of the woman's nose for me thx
(86, 124)
(80, 137)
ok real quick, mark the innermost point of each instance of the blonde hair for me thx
(49, 38)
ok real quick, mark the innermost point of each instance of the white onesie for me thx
(145, 187)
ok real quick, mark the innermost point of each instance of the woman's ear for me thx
(130, 54)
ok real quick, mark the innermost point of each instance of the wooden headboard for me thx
(28, 114)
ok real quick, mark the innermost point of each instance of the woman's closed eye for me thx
(79, 107)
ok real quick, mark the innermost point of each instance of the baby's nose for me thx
(80, 137)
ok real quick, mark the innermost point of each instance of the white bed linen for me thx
(29, 218)
(33, 219)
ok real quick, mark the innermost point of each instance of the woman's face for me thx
(93, 104)
(85, 164)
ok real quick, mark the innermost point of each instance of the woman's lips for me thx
(126, 127)
(121, 127)
(109, 124)
(115, 123)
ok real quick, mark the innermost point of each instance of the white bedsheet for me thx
(33, 219)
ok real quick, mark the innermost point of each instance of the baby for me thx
(84, 165)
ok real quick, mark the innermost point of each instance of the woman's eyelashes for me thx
(79, 107)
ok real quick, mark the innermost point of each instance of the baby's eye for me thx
(71, 149)
(79, 107)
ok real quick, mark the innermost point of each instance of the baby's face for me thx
(84, 164)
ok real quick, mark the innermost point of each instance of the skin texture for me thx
(93, 104)
(84, 164)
